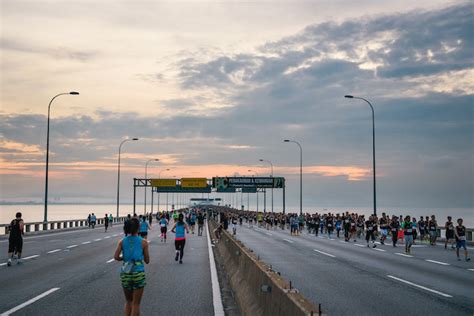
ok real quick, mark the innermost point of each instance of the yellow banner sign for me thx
(163, 182)
(194, 183)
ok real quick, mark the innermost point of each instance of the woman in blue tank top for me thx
(144, 227)
(179, 229)
(133, 251)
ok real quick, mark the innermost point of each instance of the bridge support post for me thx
(283, 199)
(134, 195)
(151, 200)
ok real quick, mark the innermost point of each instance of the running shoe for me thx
(181, 261)
(9, 262)
(468, 259)
(176, 257)
(19, 261)
(374, 246)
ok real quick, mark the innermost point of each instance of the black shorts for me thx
(179, 244)
(143, 234)
(15, 245)
(450, 234)
(163, 230)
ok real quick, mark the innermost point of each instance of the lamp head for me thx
(286, 141)
(349, 96)
(134, 138)
(260, 159)
(74, 93)
(156, 159)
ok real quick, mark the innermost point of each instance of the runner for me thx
(163, 227)
(422, 228)
(93, 220)
(461, 240)
(144, 226)
(133, 251)
(15, 240)
(180, 229)
(383, 228)
(126, 225)
(234, 225)
(371, 227)
(338, 225)
(200, 221)
(408, 233)
(394, 226)
(111, 220)
(414, 230)
(433, 230)
(449, 226)
(89, 220)
(106, 222)
(330, 225)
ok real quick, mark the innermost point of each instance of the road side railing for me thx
(37, 227)
(469, 234)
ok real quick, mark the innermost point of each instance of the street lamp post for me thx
(256, 187)
(301, 172)
(373, 148)
(146, 178)
(158, 193)
(118, 172)
(271, 165)
(47, 155)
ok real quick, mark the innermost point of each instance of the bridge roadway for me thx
(348, 278)
(80, 264)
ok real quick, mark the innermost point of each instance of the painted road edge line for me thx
(216, 289)
(378, 249)
(471, 269)
(290, 241)
(31, 301)
(53, 251)
(359, 245)
(109, 261)
(71, 246)
(325, 253)
(403, 255)
(86, 242)
(438, 262)
(420, 286)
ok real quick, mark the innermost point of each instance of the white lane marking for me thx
(331, 239)
(403, 255)
(321, 237)
(420, 286)
(107, 237)
(109, 261)
(378, 249)
(31, 301)
(342, 241)
(53, 251)
(31, 257)
(216, 292)
(290, 241)
(98, 239)
(418, 246)
(115, 235)
(3, 264)
(71, 246)
(359, 245)
(438, 262)
(269, 234)
(471, 269)
(86, 242)
(325, 253)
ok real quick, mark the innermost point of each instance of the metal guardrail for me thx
(469, 234)
(36, 227)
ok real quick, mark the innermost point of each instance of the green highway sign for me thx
(246, 182)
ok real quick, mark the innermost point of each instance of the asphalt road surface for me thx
(348, 278)
(73, 273)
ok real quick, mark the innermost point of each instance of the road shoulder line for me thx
(216, 290)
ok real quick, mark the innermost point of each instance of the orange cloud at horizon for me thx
(65, 170)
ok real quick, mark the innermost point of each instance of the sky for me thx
(211, 87)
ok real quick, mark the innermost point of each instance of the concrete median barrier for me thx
(258, 289)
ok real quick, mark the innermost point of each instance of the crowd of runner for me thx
(405, 230)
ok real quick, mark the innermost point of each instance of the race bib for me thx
(462, 237)
(371, 228)
(409, 230)
(394, 229)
